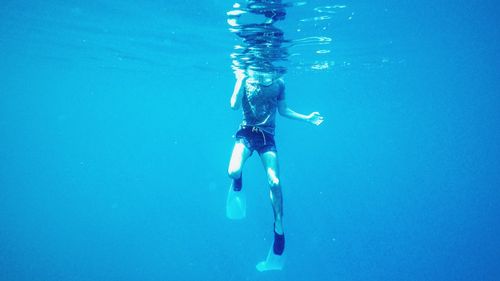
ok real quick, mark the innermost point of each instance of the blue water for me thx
(116, 132)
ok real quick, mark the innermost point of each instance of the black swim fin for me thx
(279, 243)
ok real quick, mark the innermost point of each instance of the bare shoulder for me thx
(280, 82)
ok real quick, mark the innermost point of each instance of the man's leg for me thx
(270, 162)
(238, 157)
(236, 199)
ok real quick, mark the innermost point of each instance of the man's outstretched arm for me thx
(313, 118)
(239, 87)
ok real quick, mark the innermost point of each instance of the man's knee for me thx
(274, 182)
(273, 178)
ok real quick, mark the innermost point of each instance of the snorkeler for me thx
(260, 92)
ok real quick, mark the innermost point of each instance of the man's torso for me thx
(260, 103)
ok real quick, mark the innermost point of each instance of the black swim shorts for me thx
(255, 138)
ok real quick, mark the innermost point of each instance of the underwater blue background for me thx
(116, 132)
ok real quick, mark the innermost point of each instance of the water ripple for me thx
(264, 46)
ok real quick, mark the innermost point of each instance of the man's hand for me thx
(315, 118)
(239, 74)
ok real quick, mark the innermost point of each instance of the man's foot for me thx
(237, 183)
(279, 241)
